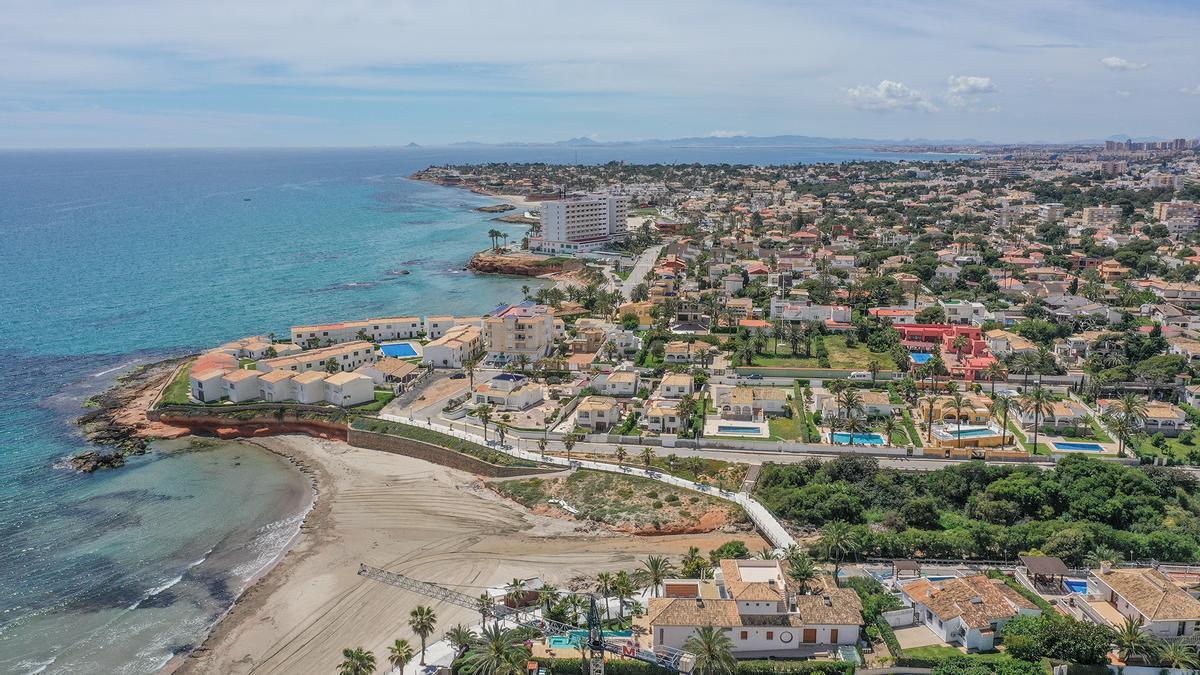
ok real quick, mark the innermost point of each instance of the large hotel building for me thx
(581, 223)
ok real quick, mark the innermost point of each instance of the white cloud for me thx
(1118, 63)
(1191, 91)
(963, 88)
(1124, 93)
(721, 133)
(888, 96)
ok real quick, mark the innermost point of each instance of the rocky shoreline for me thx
(518, 264)
(108, 425)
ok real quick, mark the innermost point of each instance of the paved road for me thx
(641, 268)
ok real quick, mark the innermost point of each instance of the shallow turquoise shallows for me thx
(110, 258)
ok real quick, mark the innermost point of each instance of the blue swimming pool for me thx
(572, 639)
(1082, 447)
(732, 429)
(1076, 585)
(920, 359)
(973, 433)
(399, 350)
(857, 439)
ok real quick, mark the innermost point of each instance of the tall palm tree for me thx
(460, 637)
(357, 661)
(995, 371)
(999, 408)
(889, 427)
(604, 586)
(484, 413)
(959, 403)
(1038, 402)
(497, 651)
(401, 653)
(542, 443)
(713, 650)
(486, 608)
(1125, 416)
(624, 588)
(621, 454)
(647, 457)
(422, 621)
(856, 425)
(1131, 640)
(569, 444)
(873, 367)
(1026, 363)
(655, 570)
(838, 541)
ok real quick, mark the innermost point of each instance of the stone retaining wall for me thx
(438, 455)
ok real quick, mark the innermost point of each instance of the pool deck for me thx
(418, 351)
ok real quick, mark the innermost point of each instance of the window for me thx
(743, 636)
(770, 635)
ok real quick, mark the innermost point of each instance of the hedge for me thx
(889, 637)
(1024, 592)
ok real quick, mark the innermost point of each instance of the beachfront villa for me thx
(241, 385)
(459, 345)
(763, 616)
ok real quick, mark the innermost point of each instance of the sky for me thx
(227, 73)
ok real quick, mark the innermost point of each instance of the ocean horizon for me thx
(119, 257)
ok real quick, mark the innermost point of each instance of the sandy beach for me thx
(404, 515)
(518, 201)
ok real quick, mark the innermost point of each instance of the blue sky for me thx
(168, 73)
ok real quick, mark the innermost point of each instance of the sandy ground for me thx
(408, 516)
(518, 201)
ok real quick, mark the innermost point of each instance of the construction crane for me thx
(597, 643)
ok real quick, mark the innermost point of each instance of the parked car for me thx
(457, 376)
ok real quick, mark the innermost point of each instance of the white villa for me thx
(968, 611)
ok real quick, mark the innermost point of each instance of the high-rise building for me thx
(1101, 216)
(1051, 213)
(581, 223)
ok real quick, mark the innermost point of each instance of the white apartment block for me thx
(581, 223)
(1102, 216)
(326, 334)
(458, 346)
(804, 310)
(1052, 212)
(347, 356)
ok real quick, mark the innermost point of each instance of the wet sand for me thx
(407, 516)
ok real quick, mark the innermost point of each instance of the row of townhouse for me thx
(379, 329)
(242, 385)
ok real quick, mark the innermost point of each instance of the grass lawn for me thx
(840, 356)
(382, 398)
(1023, 440)
(1180, 451)
(248, 364)
(787, 428)
(180, 388)
(912, 430)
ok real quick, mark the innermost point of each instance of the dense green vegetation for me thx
(475, 450)
(1081, 508)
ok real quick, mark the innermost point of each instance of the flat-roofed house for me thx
(347, 389)
(276, 386)
(240, 385)
(1146, 594)
(310, 386)
(598, 413)
(385, 328)
(750, 600)
(968, 611)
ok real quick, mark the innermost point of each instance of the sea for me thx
(114, 258)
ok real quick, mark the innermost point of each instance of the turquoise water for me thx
(400, 350)
(729, 429)
(572, 639)
(1081, 447)
(113, 258)
(1076, 585)
(972, 433)
(920, 358)
(858, 439)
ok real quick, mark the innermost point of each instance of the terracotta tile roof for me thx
(1152, 593)
(977, 600)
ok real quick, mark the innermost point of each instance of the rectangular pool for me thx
(973, 433)
(729, 429)
(1079, 447)
(399, 350)
(857, 439)
(920, 359)
(1076, 585)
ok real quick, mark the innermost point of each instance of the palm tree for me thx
(838, 541)
(497, 651)
(1039, 402)
(873, 367)
(514, 593)
(1177, 655)
(604, 585)
(400, 653)
(995, 371)
(541, 443)
(1125, 416)
(713, 650)
(999, 408)
(422, 621)
(959, 403)
(621, 454)
(648, 458)
(568, 444)
(460, 637)
(1026, 363)
(484, 413)
(801, 570)
(655, 570)
(1131, 640)
(624, 588)
(487, 607)
(959, 343)
(889, 427)
(357, 661)
(856, 425)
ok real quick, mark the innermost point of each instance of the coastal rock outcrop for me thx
(518, 264)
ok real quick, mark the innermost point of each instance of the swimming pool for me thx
(1081, 447)
(1076, 585)
(399, 350)
(920, 359)
(574, 638)
(731, 429)
(857, 439)
(973, 433)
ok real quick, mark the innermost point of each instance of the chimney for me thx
(828, 601)
(1105, 567)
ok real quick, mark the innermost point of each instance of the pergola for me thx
(899, 566)
(1045, 569)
